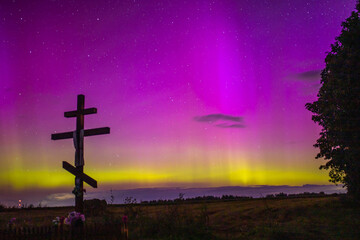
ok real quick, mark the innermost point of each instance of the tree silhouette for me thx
(337, 109)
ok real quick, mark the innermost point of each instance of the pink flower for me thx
(62, 219)
(73, 216)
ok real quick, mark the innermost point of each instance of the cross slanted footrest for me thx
(70, 168)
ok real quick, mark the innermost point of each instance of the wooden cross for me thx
(78, 137)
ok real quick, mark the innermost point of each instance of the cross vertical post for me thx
(78, 138)
(79, 154)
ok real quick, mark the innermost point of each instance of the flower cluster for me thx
(58, 221)
(73, 217)
(125, 219)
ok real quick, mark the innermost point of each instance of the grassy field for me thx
(330, 217)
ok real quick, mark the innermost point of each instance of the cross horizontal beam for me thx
(96, 131)
(81, 112)
(73, 170)
(87, 132)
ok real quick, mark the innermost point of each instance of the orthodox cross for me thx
(78, 137)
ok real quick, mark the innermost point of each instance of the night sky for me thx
(196, 93)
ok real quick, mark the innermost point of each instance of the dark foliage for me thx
(94, 207)
(2, 208)
(196, 199)
(225, 198)
(298, 195)
(337, 109)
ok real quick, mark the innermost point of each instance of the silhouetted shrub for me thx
(94, 207)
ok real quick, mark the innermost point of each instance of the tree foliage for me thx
(337, 109)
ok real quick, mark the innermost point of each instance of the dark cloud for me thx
(225, 125)
(310, 76)
(223, 121)
(217, 117)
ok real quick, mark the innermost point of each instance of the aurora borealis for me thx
(196, 93)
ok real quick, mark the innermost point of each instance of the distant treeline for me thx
(24, 206)
(230, 198)
(197, 199)
(298, 195)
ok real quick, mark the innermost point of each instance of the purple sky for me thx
(196, 93)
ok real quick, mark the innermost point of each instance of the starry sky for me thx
(196, 93)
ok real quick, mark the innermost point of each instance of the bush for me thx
(94, 207)
(2, 208)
